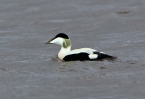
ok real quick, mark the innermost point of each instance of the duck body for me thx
(82, 54)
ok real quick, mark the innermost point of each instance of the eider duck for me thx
(82, 54)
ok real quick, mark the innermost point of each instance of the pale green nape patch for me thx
(66, 43)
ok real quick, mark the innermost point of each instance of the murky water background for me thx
(28, 68)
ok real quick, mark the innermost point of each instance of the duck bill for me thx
(50, 41)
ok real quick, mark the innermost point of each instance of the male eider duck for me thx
(82, 54)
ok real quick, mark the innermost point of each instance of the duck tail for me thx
(104, 56)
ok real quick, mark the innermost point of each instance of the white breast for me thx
(63, 52)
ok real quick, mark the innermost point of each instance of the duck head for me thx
(60, 39)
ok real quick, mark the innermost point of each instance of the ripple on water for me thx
(60, 21)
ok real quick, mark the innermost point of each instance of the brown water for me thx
(28, 69)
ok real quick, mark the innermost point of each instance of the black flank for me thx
(75, 57)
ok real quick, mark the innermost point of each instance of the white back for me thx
(86, 50)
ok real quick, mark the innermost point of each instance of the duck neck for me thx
(65, 48)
